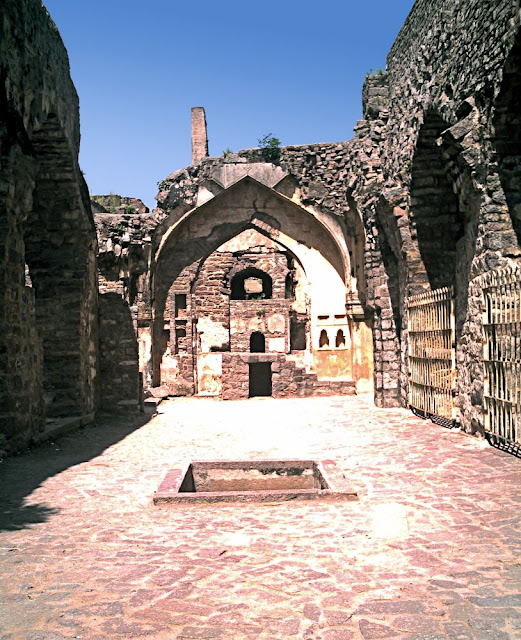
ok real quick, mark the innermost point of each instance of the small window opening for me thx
(257, 342)
(340, 340)
(324, 340)
(297, 334)
(180, 304)
(28, 280)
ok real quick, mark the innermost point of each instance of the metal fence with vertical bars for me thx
(432, 356)
(502, 355)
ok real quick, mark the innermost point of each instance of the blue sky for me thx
(287, 67)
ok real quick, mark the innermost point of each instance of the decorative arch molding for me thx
(249, 203)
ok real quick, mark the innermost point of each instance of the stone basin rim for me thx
(334, 484)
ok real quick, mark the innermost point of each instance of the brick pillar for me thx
(199, 135)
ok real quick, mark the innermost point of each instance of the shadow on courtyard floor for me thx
(21, 474)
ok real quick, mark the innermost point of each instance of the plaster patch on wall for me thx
(276, 345)
(211, 334)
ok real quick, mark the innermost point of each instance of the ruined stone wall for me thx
(124, 227)
(211, 299)
(269, 317)
(119, 367)
(317, 177)
(452, 73)
(48, 336)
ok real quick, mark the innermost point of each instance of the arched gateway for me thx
(220, 285)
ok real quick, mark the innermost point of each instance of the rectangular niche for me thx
(180, 305)
(253, 481)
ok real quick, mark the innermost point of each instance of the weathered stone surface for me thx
(48, 306)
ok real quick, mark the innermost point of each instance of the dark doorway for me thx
(257, 342)
(260, 379)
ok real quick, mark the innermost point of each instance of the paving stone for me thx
(190, 632)
(513, 600)
(458, 631)
(102, 562)
(372, 631)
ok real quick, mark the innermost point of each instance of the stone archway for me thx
(185, 249)
(434, 210)
(507, 136)
(60, 258)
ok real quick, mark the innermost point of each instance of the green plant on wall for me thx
(163, 185)
(227, 152)
(374, 72)
(270, 147)
(114, 202)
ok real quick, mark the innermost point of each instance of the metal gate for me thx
(502, 355)
(432, 356)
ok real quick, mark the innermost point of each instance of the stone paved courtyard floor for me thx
(431, 551)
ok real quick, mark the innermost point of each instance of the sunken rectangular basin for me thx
(253, 481)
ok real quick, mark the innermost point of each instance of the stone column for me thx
(199, 135)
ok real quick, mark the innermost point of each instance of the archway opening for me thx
(61, 270)
(251, 284)
(435, 212)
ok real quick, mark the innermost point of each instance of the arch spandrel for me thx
(247, 204)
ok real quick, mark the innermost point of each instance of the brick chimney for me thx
(199, 135)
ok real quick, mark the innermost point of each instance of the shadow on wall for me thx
(22, 474)
(507, 135)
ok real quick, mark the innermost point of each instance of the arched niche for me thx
(257, 342)
(340, 339)
(507, 134)
(323, 341)
(434, 207)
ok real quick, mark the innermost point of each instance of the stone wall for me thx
(48, 298)
(121, 388)
(124, 227)
(288, 379)
(268, 317)
(450, 165)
